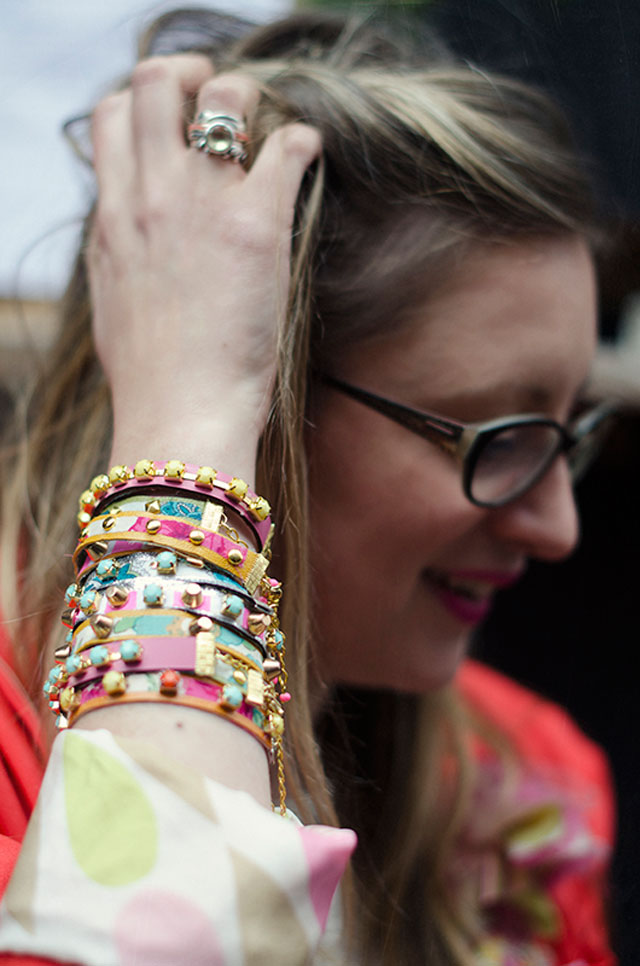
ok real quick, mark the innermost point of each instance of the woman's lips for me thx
(468, 594)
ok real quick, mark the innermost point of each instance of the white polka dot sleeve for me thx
(136, 860)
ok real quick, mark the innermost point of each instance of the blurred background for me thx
(570, 630)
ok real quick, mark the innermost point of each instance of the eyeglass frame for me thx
(463, 440)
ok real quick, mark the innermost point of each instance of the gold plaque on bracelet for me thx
(205, 654)
(211, 516)
(255, 688)
(256, 573)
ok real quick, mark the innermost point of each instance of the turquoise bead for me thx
(233, 606)
(166, 562)
(152, 595)
(130, 651)
(105, 569)
(99, 655)
(232, 695)
(278, 640)
(53, 674)
(257, 717)
(72, 663)
(70, 594)
(88, 602)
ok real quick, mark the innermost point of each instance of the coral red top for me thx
(561, 868)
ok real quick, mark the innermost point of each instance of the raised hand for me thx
(189, 266)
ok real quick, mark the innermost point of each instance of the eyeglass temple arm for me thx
(443, 432)
(592, 419)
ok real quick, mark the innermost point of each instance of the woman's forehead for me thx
(520, 316)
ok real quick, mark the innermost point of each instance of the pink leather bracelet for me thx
(195, 655)
(201, 480)
(192, 693)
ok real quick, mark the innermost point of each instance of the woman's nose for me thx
(543, 523)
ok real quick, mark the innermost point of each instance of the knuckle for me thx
(230, 89)
(150, 71)
(150, 210)
(107, 107)
(301, 140)
(250, 230)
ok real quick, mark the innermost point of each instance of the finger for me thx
(231, 95)
(159, 87)
(280, 166)
(113, 156)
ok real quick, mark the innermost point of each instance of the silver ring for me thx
(220, 135)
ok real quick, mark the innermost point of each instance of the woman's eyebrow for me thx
(507, 396)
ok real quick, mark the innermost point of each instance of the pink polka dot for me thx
(327, 851)
(162, 929)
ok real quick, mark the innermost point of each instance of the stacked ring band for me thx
(220, 135)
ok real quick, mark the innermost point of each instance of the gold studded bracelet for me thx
(136, 532)
(200, 480)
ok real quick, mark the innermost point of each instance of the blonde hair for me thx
(422, 161)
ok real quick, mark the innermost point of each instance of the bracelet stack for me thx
(170, 605)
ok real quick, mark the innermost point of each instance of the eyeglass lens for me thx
(510, 460)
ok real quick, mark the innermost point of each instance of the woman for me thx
(402, 250)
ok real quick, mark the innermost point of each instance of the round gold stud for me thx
(114, 683)
(206, 476)
(83, 519)
(196, 537)
(152, 526)
(99, 484)
(87, 500)
(102, 625)
(237, 488)
(119, 474)
(235, 557)
(240, 677)
(108, 523)
(174, 469)
(192, 595)
(200, 625)
(144, 470)
(117, 596)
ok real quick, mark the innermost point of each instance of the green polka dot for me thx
(111, 823)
